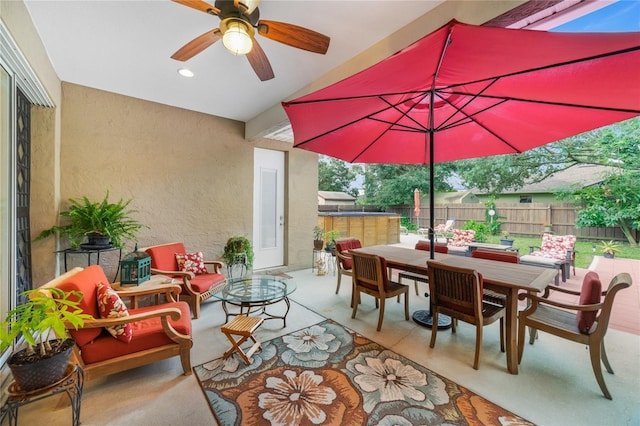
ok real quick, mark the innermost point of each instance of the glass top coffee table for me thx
(254, 293)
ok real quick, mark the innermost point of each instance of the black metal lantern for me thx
(135, 268)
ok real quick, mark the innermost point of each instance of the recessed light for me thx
(185, 72)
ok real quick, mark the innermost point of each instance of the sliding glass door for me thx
(7, 271)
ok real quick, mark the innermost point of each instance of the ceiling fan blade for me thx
(259, 62)
(197, 45)
(295, 36)
(199, 5)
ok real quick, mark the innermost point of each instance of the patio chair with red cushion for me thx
(343, 258)
(198, 282)
(585, 322)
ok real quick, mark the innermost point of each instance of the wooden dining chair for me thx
(370, 277)
(426, 246)
(457, 292)
(343, 258)
(585, 323)
(499, 256)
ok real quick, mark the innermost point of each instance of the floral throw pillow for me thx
(191, 262)
(111, 306)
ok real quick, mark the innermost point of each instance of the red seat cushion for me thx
(147, 334)
(204, 282)
(589, 295)
(164, 257)
(85, 282)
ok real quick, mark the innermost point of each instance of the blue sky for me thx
(621, 16)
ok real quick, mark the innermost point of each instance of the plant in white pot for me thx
(42, 321)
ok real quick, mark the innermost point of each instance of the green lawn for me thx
(584, 249)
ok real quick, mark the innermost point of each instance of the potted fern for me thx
(238, 250)
(101, 222)
(42, 321)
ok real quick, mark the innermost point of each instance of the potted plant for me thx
(609, 248)
(318, 238)
(39, 320)
(547, 227)
(505, 240)
(238, 250)
(331, 237)
(102, 222)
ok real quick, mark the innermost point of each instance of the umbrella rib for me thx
(368, 116)
(420, 128)
(550, 66)
(567, 104)
(461, 109)
(415, 93)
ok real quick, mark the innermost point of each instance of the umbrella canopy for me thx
(468, 91)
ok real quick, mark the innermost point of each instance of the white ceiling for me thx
(125, 47)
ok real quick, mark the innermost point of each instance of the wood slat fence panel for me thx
(518, 218)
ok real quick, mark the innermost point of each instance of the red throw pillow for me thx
(191, 262)
(589, 295)
(111, 306)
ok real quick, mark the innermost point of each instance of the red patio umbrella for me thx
(468, 91)
(416, 203)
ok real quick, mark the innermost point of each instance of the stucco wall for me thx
(190, 175)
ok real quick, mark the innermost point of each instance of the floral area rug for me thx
(328, 375)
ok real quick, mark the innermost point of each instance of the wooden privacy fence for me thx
(524, 219)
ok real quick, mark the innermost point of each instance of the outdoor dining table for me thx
(501, 277)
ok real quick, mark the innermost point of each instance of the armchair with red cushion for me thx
(458, 244)
(200, 278)
(555, 251)
(118, 338)
(585, 323)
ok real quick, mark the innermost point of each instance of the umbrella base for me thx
(425, 319)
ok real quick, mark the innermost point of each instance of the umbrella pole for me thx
(423, 317)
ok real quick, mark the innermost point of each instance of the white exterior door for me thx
(268, 212)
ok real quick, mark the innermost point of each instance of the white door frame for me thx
(268, 211)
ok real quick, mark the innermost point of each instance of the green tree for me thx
(615, 202)
(393, 184)
(617, 145)
(337, 175)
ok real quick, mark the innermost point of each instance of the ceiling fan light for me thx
(249, 5)
(236, 38)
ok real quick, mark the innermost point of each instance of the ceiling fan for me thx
(239, 21)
